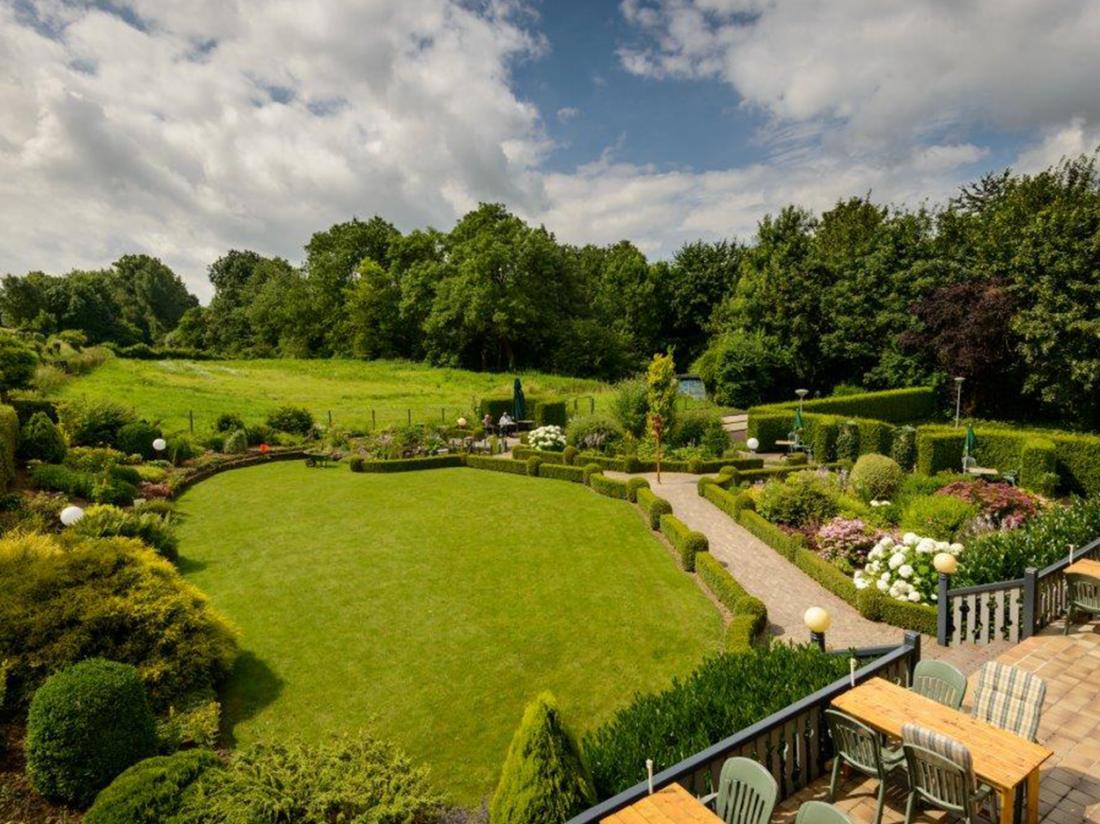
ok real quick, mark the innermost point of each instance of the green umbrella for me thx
(797, 420)
(970, 442)
(519, 403)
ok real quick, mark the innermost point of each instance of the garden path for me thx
(783, 587)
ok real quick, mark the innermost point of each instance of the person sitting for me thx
(487, 424)
(507, 424)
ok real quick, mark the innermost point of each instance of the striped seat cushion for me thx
(1010, 698)
(950, 748)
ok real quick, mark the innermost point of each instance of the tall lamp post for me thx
(946, 565)
(958, 397)
(817, 621)
(802, 393)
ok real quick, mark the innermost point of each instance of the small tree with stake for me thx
(663, 387)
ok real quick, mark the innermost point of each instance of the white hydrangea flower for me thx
(910, 538)
(905, 571)
(896, 560)
(885, 577)
(914, 596)
(926, 546)
(955, 549)
(881, 586)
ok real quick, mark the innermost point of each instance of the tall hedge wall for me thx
(9, 440)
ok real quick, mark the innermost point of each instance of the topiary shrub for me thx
(66, 598)
(544, 779)
(151, 791)
(798, 500)
(352, 779)
(236, 443)
(86, 725)
(228, 422)
(41, 440)
(590, 470)
(876, 477)
(904, 448)
(938, 516)
(137, 439)
(569, 454)
(291, 419)
(106, 521)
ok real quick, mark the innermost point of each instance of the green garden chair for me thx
(818, 812)
(860, 747)
(941, 682)
(746, 793)
(941, 773)
(1082, 593)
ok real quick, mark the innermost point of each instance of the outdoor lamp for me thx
(160, 444)
(71, 514)
(817, 620)
(461, 423)
(752, 444)
(945, 563)
(958, 397)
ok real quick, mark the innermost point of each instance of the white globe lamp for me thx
(71, 514)
(753, 444)
(817, 621)
(945, 563)
(160, 444)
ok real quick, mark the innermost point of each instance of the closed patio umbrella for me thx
(797, 420)
(519, 403)
(970, 442)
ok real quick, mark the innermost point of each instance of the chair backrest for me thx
(1083, 591)
(854, 741)
(941, 682)
(939, 766)
(746, 792)
(818, 812)
(1010, 698)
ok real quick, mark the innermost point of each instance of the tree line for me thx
(1000, 285)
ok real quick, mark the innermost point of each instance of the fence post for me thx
(442, 414)
(943, 613)
(373, 420)
(330, 419)
(591, 406)
(409, 412)
(191, 420)
(913, 640)
(1031, 597)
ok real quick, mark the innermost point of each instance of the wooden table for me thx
(672, 805)
(1001, 759)
(1084, 567)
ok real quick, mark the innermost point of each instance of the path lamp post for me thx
(946, 565)
(802, 393)
(818, 621)
(958, 397)
(71, 514)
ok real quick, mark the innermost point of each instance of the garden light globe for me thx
(817, 619)
(946, 563)
(71, 514)
(752, 444)
(461, 423)
(160, 444)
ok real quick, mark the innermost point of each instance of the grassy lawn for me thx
(350, 389)
(431, 606)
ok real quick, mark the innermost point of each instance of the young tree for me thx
(663, 388)
(544, 779)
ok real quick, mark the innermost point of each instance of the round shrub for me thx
(236, 443)
(599, 433)
(151, 790)
(86, 725)
(228, 422)
(137, 439)
(799, 500)
(291, 419)
(941, 517)
(876, 477)
(41, 439)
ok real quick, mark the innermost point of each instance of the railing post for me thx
(943, 613)
(912, 639)
(1031, 598)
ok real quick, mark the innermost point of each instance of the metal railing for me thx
(792, 744)
(1006, 610)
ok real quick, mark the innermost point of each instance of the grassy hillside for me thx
(350, 389)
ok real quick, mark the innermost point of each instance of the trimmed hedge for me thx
(687, 541)
(522, 453)
(740, 634)
(1047, 460)
(632, 487)
(9, 442)
(892, 405)
(561, 472)
(551, 413)
(415, 464)
(654, 506)
(544, 412)
(633, 464)
(497, 464)
(728, 502)
(610, 487)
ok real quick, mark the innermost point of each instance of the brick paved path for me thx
(783, 587)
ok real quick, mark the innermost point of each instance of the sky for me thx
(184, 129)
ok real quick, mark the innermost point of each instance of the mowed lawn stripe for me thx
(431, 606)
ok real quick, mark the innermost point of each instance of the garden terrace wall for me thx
(1047, 460)
(252, 459)
(792, 744)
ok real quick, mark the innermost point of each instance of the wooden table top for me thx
(1085, 567)
(672, 805)
(1001, 758)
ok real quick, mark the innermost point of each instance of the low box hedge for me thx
(522, 453)
(497, 464)
(412, 464)
(561, 472)
(729, 502)
(653, 505)
(610, 487)
(687, 541)
(741, 633)
(633, 486)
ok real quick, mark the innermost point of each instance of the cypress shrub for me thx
(9, 441)
(904, 448)
(150, 791)
(544, 779)
(41, 439)
(236, 443)
(137, 438)
(106, 521)
(86, 725)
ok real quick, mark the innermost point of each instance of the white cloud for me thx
(1070, 140)
(567, 113)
